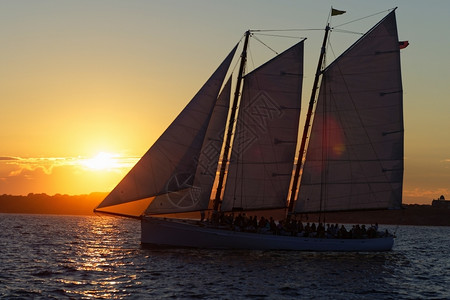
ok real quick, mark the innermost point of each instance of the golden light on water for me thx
(107, 258)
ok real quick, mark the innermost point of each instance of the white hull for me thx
(179, 233)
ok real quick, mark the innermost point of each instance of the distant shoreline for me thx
(419, 215)
(56, 204)
(411, 214)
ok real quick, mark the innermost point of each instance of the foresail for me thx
(196, 196)
(266, 134)
(171, 163)
(355, 154)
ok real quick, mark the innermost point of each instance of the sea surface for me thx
(99, 257)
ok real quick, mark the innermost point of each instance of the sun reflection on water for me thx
(100, 252)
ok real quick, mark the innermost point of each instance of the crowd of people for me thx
(290, 227)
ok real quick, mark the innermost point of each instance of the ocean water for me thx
(98, 257)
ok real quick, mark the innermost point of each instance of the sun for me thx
(102, 161)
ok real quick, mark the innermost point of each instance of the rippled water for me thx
(57, 257)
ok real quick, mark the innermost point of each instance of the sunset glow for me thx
(102, 161)
(63, 175)
(86, 92)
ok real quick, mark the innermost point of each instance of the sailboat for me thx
(228, 158)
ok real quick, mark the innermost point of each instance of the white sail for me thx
(266, 134)
(354, 159)
(196, 194)
(171, 163)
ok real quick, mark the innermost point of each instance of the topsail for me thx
(266, 134)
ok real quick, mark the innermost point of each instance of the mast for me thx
(308, 121)
(226, 152)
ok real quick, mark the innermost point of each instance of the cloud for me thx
(17, 166)
(8, 158)
(64, 175)
(32, 164)
(428, 193)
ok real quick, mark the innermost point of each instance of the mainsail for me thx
(266, 134)
(354, 159)
(170, 165)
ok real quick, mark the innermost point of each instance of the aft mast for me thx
(307, 122)
(217, 201)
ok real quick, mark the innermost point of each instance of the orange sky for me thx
(79, 79)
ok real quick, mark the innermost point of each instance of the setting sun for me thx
(101, 161)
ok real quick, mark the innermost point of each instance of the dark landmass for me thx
(56, 204)
(424, 215)
(412, 214)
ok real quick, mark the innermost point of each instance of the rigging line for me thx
(281, 30)
(236, 153)
(235, 66)
(281, 36)
(323, 198)
(250, 57)
(348, 31)
(257, 39)
(356, 20)
(239, 59)
(329, 46)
